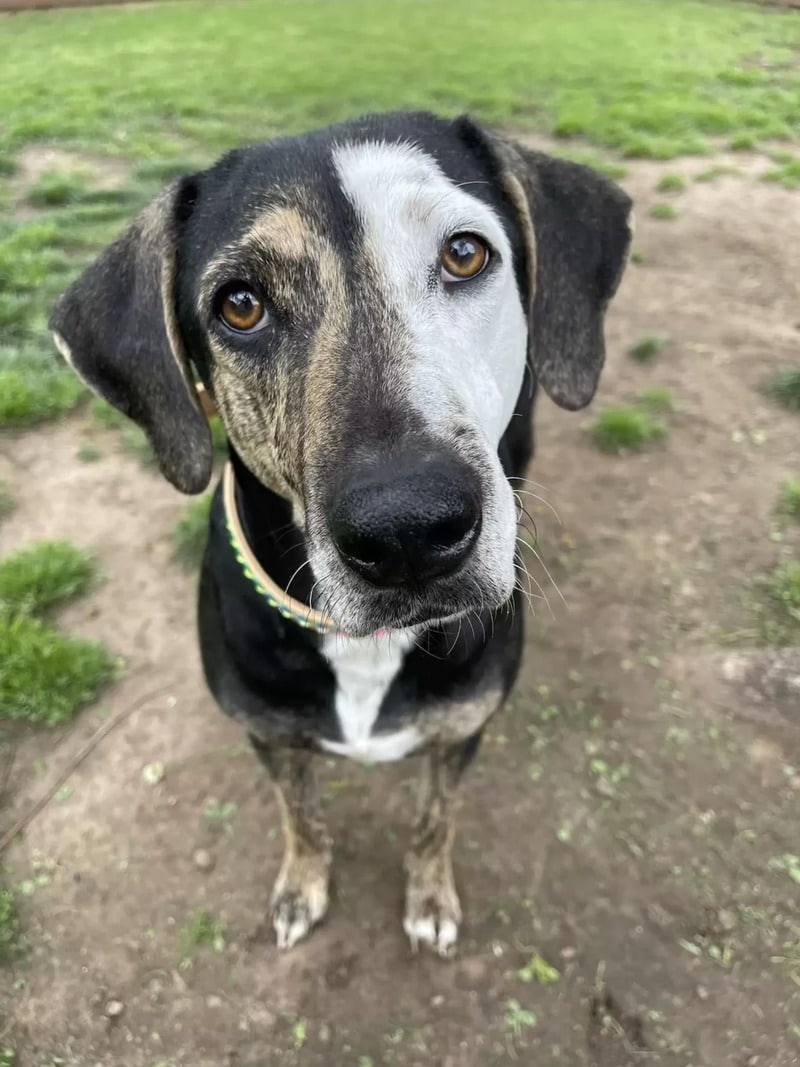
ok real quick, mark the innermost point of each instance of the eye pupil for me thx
(240, 308)
(463, 256)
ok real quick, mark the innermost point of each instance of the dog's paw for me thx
(433, 912)
(299, 902)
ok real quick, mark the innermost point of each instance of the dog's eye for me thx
(463, 256)
(240, 309)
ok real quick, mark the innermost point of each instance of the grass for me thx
(787, 172)
(646, 350)
(45, 676)
(55, 188)
(785, 388)
(10, 937)
(671, 183)
(6, 502)
(778, 605)
(663, 211)
(622, 428)
(789, 499)
(202, 930)
(136, 81)
(656, 398)
(37, 578)
(190, 533)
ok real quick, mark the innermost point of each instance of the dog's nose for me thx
(407, 525)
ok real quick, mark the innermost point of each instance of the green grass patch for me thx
(46, 676)
(663, 211)
(190, 533)
(719, 170)
(671, 183)
(646, 349)
(779, 604)
(787, 172)
(622, 428)
(789, 499)
(88, 453)
(744, 141)
(68, 76)
(656, 398)
(6, 502)
(785, 388)
(10, 935)
(37, 578)
(55, 188)
(33, 392)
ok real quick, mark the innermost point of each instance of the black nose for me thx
(406, 522)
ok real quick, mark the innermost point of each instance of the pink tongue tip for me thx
(384, 632)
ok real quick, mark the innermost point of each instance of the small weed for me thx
(647, 348)
(6, 502)
(37, 578)
(785, 388)
(215, 811)
(201, 931)
(88, 453)
(671, 183)
(637, 257)
(537, 969)
(656, 398)
(788, 501)
(190, 533)
(10, 937)
(300, 1033)
(518, 1019)
(624, 429)
(56, 188)
(663, 211)
(8, 1057)
(778, 606)
(789, 864)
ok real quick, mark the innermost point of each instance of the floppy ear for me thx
(116, 326)
(577, 230)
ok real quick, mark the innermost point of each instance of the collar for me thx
(296, 611)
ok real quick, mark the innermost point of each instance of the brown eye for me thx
(464, 256)
(240, 308)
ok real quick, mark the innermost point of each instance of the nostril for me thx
(447, 532)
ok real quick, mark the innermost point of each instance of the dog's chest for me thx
(364, 668)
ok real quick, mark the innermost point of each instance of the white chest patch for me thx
(365, 668)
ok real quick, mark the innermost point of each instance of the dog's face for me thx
(361, 302)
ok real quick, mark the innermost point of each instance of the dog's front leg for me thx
(300, 896)
(433, 911)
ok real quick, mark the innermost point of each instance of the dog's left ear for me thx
(117, 327)
(577, 228)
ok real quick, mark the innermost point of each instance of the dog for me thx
(371, 308)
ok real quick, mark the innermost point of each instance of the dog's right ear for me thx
(117, 327)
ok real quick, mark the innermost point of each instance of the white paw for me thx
(432, 926)
(295, 912)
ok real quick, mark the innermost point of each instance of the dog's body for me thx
(371, 307)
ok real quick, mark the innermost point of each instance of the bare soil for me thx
(630, 816)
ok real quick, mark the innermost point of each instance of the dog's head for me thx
(361, 302)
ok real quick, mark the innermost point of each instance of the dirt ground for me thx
(626, 820)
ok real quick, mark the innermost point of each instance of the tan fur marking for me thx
(433, 910)
(300, 895)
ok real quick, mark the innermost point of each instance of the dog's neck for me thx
(276, 541)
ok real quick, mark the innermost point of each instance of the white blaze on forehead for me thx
(470, 343)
